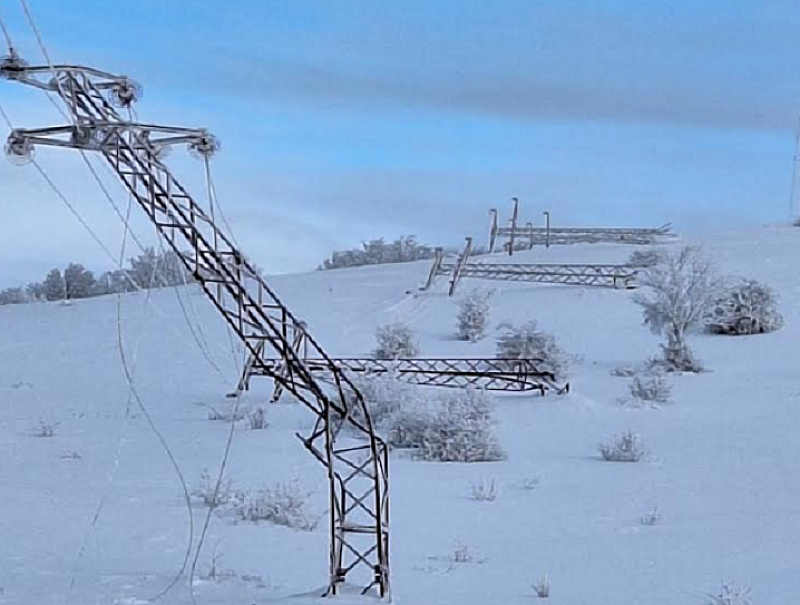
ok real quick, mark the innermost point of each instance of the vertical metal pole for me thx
(547, 229)
(492, 229)
(514, 214)
(530, 235)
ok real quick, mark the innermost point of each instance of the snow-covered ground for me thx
(95, 514)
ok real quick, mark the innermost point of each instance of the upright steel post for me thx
(547, 228)
(514, 215)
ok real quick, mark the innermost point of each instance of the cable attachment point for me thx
(204, 146)
(124, 93)
(19, 148)
(12, 66)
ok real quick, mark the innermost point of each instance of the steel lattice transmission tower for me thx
(343, 438)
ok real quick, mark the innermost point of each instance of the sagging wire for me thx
(126, 369)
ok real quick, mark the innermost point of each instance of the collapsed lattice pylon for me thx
(610, 276)
(520, 236)
(342, 438)
(509, 375)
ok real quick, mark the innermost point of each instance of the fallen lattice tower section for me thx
(519, 236)
(509, 375)
(342, 438)
(598, 275)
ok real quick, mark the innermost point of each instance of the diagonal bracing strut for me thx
(342, 438)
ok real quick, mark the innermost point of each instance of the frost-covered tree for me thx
(682, 289)
(395, 340)
(749, 307)
(378, 251)
(78, 281)
(36, 291)
(473, 315)
(527, 342)
(54, 286)
(13, 296)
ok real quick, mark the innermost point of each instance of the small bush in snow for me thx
(462, 554)
(624, 371)
(444, 425)
(542, 587)
(746, 308)
(282, 504)
(526, 342)
(257, 419)
(650, 519)
(473, 316)
(485, 491)
(45, 428)
(730, 594)
(395, 340)
(530, 483)
(227, 415)
(211, 495)
(653, 388)
(682, 289)
(645, 258)
(454, 426)
(627, 447)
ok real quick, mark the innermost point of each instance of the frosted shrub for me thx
(226, 415)
(383, 396)
(653, 388)
(485, 491)
(627, 447)
(256, 419)
(526, 342)
(45, 428)
(395, 340)
(445, 425)
(462, 554)
(624, 371)
(454, 426)
(730, 594)
(542, 587)
(208, 492)
(746, 308)
(473, 316)
(645, 258)
(682, 289)
(283, 504)
(650, 519)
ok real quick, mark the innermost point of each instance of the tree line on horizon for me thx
(150, 269)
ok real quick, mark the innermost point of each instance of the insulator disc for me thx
(19, 150)
(11, 64)
(125, 93)
(205, 146)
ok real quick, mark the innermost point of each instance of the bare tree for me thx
(682, 289)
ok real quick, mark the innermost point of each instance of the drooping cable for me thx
(43, 48)
(6, 35)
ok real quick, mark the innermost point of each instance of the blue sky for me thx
(343, 121)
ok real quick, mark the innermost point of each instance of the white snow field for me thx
(95, 513)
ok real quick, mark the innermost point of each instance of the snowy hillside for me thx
(95, 513)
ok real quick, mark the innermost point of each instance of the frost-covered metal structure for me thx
(521, 236)
(602, 275)
(342, 438)
(509, 375)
